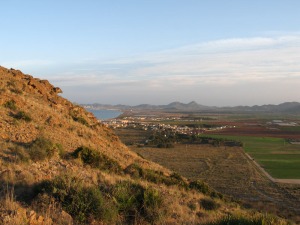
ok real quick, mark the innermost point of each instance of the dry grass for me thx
(12, 213)
(228, 171)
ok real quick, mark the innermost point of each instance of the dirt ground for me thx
(231, 172)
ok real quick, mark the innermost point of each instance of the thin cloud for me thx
(216, 67)
(28, 63)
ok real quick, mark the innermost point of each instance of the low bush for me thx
(129, 197)
(21, 115)
(156, 177)
(209, 204)
(11, 104)
(136, 203)
(96, 159)
(153, 205)
(20, 154)
(81, 120)
(41, 148)
(202, 187)
(83, 203)
(61, 151)
(78, 118)
(16, 90)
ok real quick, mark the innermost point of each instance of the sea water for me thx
(105, 114)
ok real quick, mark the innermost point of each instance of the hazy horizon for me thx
(199, 103)
(156, 52)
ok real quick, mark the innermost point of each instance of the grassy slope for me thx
(52, 117)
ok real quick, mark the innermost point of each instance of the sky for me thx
(214, 52)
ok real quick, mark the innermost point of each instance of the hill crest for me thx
(60, 165)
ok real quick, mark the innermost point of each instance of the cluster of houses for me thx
(153, 124)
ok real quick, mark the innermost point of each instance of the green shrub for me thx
(21, 155)
(209, 204)
(134, 170)
(179, 180)
(129, 197)
(41, 148)
(78, 118)
(202, 187)
(153, 205)
(81, 202)
(16, 90)
(11, 104)
(81, 120)
(21, 115)
(61, 150)
(96, 159)
(137, 203)
(156, 177)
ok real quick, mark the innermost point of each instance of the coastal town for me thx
(157, 123)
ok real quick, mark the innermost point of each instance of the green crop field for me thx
(278, 157)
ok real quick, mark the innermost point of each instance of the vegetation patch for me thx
(209, 204)
(41, 149)
(20, 154)
(156, 177)
(96, 159)
(168, 138)
(78, 118)
(136, 203)
(21, 115)
(11, 104)
(84, 203)
(202, 187)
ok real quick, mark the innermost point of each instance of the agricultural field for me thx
(229, 171)
(277, 156)
(234, 171)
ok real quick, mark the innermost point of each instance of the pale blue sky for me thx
(215, 52)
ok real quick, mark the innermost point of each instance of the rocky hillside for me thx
(59, 165)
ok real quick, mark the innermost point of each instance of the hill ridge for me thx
(60, 165)
(286, 107)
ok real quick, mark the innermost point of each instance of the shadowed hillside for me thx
(59, 165)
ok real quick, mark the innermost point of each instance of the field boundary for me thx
(285, 181)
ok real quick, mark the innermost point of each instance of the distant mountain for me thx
(286, 107)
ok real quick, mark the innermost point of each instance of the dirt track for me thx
(284, 181)
(230, 171)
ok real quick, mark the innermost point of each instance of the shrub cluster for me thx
(202, 187)
(20, 154)
(155, 176)
(42, 148)
(83, 203)
(123, 203)
(136, 203)
(78, 118)
(21, 115)
(11, 104)
(81, 120)
(209, 204)
(162, 139)
(96, 159)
